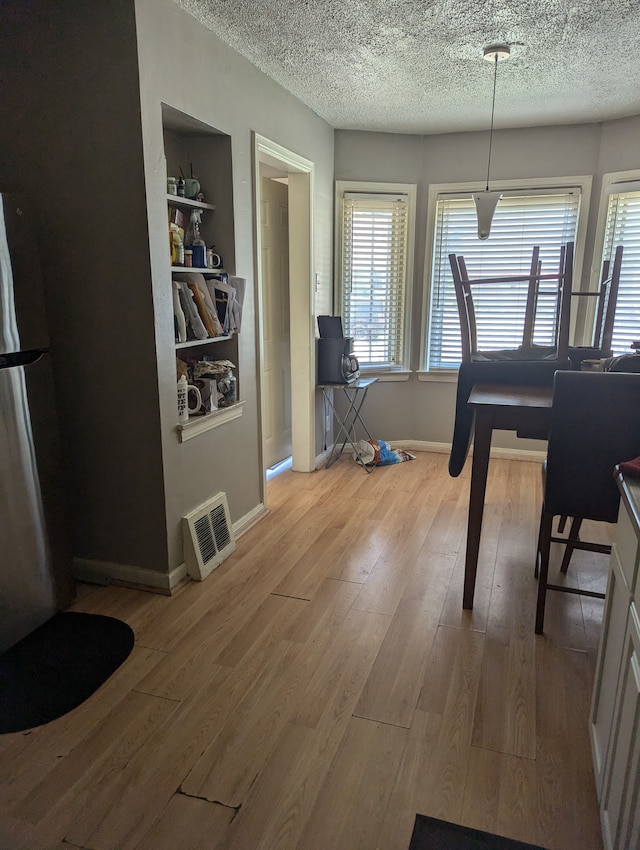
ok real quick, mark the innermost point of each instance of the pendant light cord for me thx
(493, 107)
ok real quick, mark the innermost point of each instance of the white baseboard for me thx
(517, 454)
(249, 519)
(445, 448)
(421, 446)
(322, 458)
(106, 572)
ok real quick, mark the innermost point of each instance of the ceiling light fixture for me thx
(487, 201)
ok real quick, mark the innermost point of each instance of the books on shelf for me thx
(211, 306)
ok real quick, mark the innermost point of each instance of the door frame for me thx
(300, 173)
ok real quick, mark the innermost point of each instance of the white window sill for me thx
(439, 377)
(384, 376)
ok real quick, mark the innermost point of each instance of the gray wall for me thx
(82, 86)
(71, 135)
(424, 410)
(220, 88)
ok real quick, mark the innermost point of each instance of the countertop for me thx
(630, 489)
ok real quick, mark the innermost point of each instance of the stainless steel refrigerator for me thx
(35, 556)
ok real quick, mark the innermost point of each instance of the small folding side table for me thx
(355, 393)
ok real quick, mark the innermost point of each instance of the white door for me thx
(274, 231)
(272, 160)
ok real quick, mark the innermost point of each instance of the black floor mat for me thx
(58, 666)
(433, 834)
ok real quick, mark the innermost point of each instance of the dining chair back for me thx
(607, 299)
(499, 290)
(528, 364)
(595, 424)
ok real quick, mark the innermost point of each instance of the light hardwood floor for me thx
(324, 685)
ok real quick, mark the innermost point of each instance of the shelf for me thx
(197, 269)
(199, 424)
(186, 141)
(206, 341)
(177, 201)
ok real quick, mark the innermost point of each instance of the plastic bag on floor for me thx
(379, 453)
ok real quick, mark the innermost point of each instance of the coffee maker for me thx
(337, 364)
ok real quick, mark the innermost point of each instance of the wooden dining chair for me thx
(527, 364)
(595, 424)
(607, 299)
(527, 349)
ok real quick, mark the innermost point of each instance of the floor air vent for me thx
(208, 537)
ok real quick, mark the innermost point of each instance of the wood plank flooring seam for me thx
(291, 596)
(154, 648)
(501, 752)
(234, 809)
(560, 645)
(381, 722)
(158, 696)
(309, 598)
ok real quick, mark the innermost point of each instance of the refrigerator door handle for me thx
(21, 358)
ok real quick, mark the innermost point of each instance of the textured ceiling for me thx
(416, 66)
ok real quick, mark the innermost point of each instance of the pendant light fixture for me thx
(487, 201)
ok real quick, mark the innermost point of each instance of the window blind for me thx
(623, 228)
(520, 222)
(374, 270)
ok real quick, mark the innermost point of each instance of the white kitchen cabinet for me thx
(608, 669)
(620, 799)
(615, 712)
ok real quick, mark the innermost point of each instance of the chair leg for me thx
(539, 549)
(562, 521)
(574, 531)
(543, 568)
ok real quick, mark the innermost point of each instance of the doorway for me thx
(295, 386)
(274, 285)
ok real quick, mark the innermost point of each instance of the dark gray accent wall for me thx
(71, 135)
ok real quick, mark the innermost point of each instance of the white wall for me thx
(417, 410)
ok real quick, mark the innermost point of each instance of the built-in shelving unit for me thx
(198, 149)
(188, 203)
(193, 342)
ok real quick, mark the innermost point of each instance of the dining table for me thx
(497, 407)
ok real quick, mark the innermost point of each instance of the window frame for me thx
(525, 186)
(342, 187)
(610, 180)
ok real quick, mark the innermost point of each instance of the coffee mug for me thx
(194, 399)
(191, 187)
(202, 396)
(208, 393)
